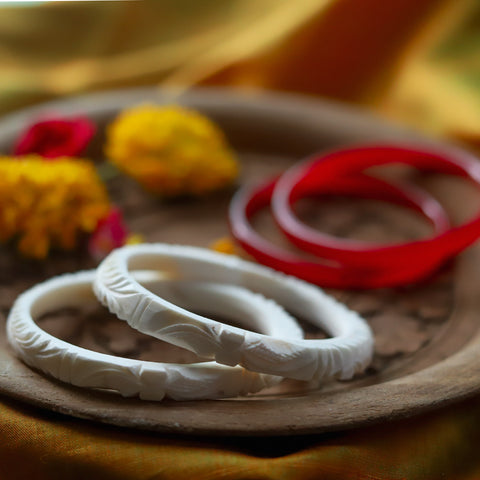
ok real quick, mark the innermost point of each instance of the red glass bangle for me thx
(247, 202)
(314, 175)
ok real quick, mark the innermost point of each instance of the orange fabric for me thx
(346, 52)
(413, 61)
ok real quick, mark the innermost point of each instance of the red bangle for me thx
(315, 175)
(324, 272)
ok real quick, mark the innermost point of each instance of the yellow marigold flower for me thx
(170, 150)
(135, 239)
(47, 204)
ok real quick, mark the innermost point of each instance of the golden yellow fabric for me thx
(41, 445)
(61, 48)
(414, 61)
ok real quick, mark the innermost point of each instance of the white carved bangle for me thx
(349, 351)
(149, 380)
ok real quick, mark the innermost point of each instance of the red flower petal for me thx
(56, 137)
(110, 233)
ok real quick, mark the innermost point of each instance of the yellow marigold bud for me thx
(224, 245)
(170, 150)
(48, 203)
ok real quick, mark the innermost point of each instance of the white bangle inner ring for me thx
(347, 352)
(149, 380)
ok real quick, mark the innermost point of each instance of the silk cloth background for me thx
(412, 61)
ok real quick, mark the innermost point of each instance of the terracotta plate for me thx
(427, 341)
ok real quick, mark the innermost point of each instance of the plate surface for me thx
(427, 339)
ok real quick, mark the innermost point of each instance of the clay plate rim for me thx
(445, 382)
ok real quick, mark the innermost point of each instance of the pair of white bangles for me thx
(145, 284)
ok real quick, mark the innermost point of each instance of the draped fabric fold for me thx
(42, 445)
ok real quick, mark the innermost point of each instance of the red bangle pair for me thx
(348, 263)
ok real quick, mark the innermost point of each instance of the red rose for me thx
(56, 137)
(110, 233)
